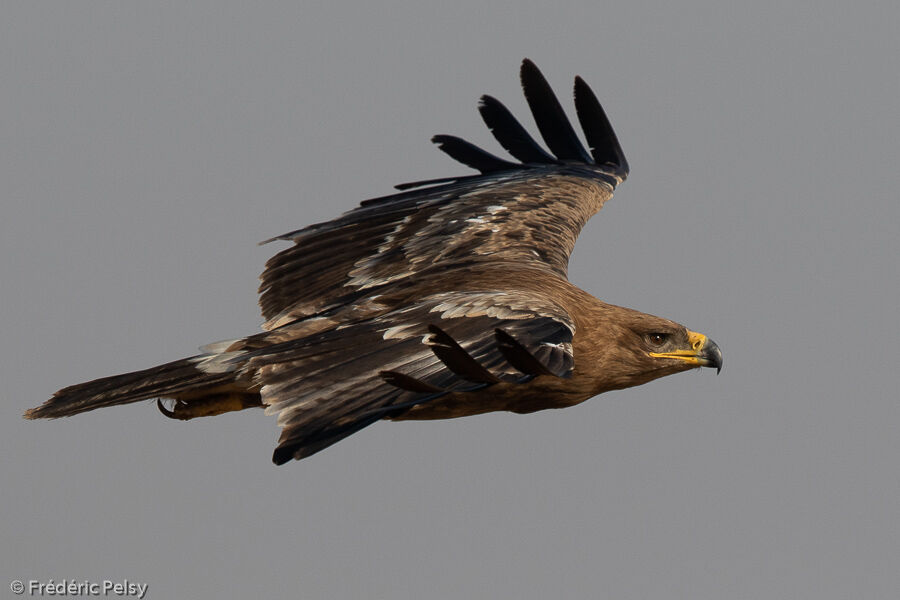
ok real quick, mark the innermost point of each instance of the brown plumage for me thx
(447, 299)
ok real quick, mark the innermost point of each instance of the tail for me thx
(198, 390)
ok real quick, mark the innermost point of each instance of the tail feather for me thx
(164, 381)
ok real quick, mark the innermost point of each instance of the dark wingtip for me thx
(471, 155)
(411, 384)
(549, 116)
(510, 133)
(554, 126)
(283, 454)
(455, 357)
(598, 131)
(529, 66)
(408, 185)
(519, 356)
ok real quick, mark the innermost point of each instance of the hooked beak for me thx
(703, 353)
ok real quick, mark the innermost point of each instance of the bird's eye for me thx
(657, 339)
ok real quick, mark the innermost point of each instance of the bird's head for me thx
(647, 347)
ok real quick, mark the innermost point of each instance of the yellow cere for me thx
(696, 340)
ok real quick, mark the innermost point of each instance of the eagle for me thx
(446, 299)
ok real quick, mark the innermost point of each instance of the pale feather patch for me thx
(564, 346)
(298, 327)
(218, 347)
(399, 331)
(224, 362)
(500, 305)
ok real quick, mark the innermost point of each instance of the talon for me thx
(172, 413)
(162, 408)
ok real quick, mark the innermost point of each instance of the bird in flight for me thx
(447, 299)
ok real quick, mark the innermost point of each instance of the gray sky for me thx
(146, 150)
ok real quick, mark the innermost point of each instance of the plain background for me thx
(146, 148)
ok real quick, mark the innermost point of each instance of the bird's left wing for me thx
(329, 385)
(527, 212)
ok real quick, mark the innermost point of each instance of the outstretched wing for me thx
(526, 212)
(327, 386)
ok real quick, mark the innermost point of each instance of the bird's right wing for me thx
(328, 385)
